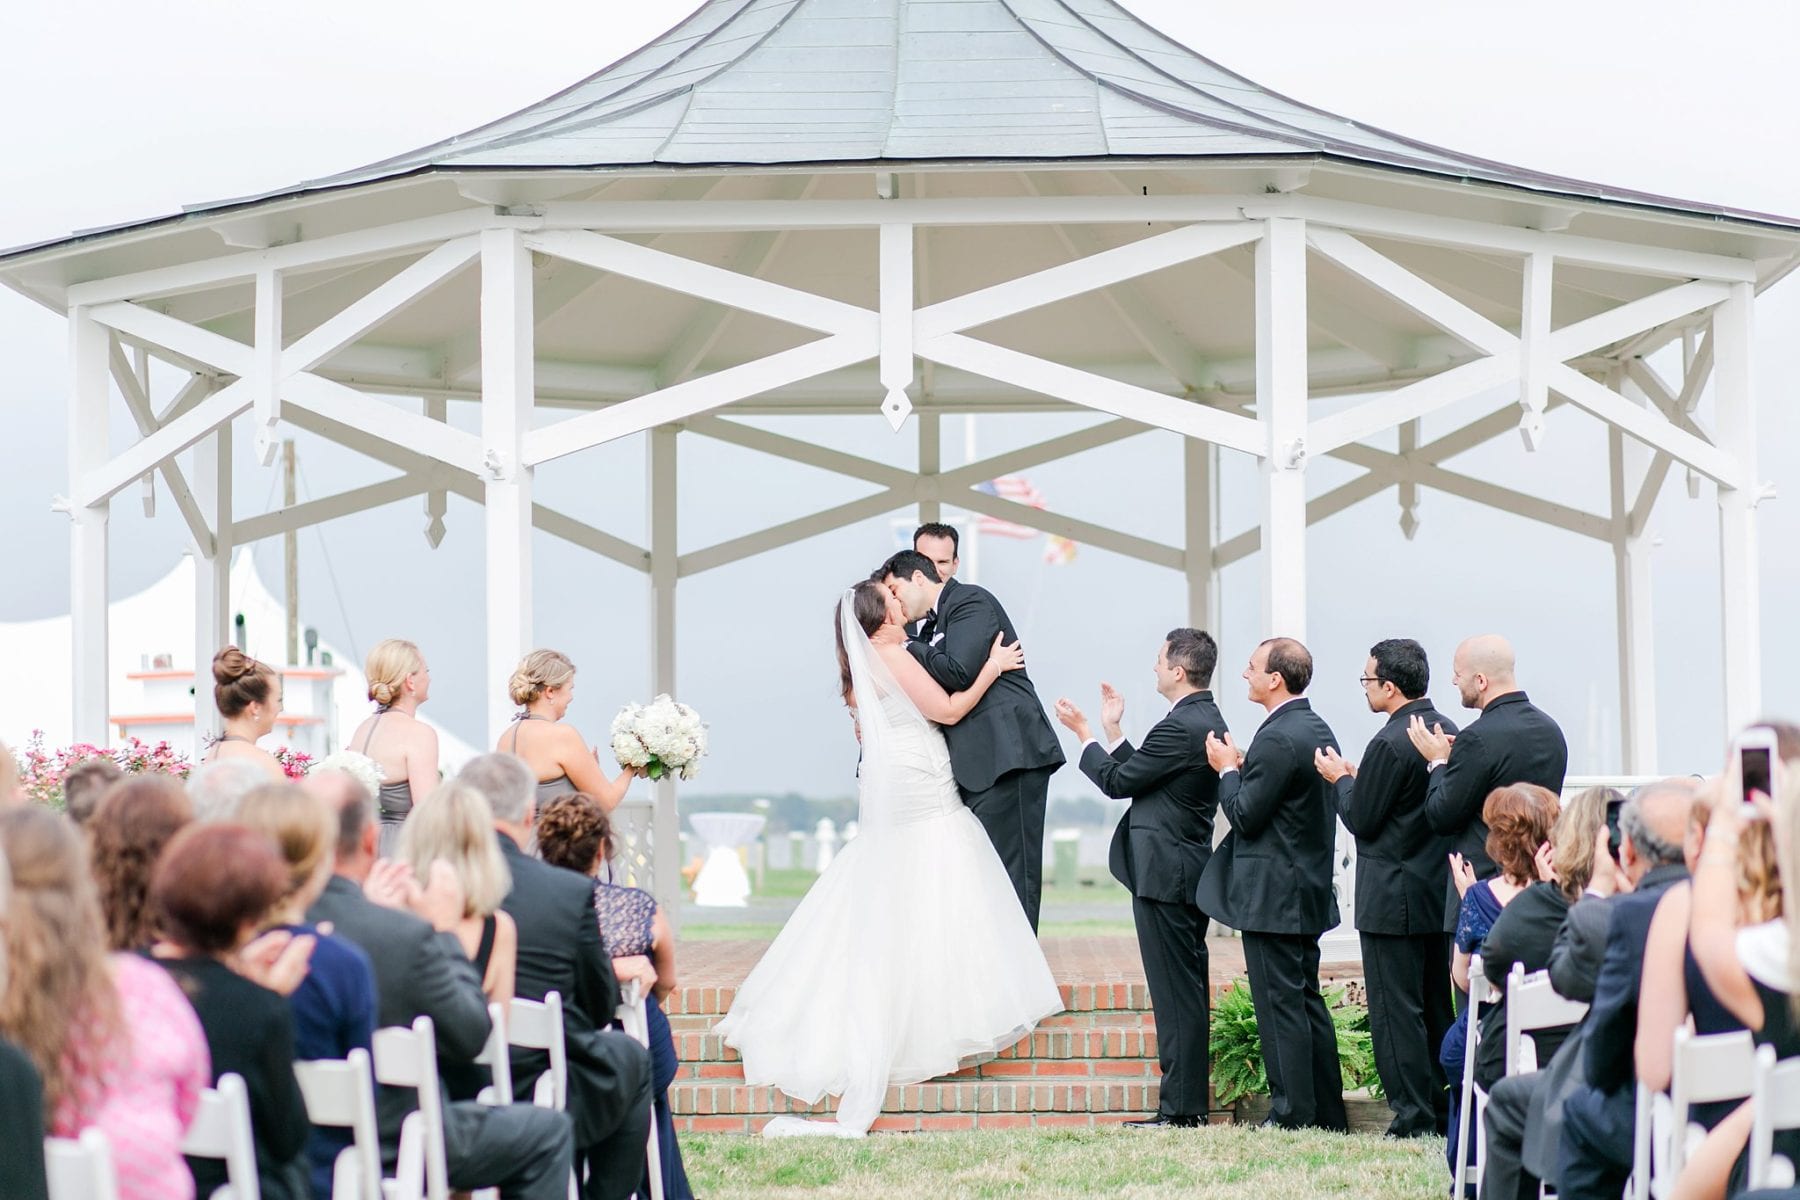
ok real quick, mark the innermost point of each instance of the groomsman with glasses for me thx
(1159, 852)
(1402, 868)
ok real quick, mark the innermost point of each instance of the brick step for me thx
(932, 1122)
(1124, 1097)
(703, 1047)
(714, 1002)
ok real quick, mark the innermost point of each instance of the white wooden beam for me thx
(1085, 532)
(1200, 465)
(897, 321)
(506, 385)
(102, 482)
(1632, 594)
(1281, 384)
(1093, 391)
(384, 301)
(682, 400)
(1320, 507)
(137, 399)
(1013, 462)
(1535, 353)
(788, 532)
(437, 501)
(434, 439)
(278, 521)
(1409, 403)
(708, 282)
(1424, 298)
(89, 671)
(811, 454)
(660, 510)
(190, 341)
(931, 453)
(1650, 312)
(361, 245)
(1734, 398)
(265, 368)
(650, 216)
(212, 473)
(1653, 430)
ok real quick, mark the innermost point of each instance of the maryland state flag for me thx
(1058, 550)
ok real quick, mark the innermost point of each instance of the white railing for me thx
(634, 858)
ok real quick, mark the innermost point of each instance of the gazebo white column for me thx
(1200, 466)
(507, 384)
(212, 571)
(664, 571)
(1629, 461)
(1740, 612)
(1281, 393)
(89, 349)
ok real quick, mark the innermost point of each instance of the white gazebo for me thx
(934, 207)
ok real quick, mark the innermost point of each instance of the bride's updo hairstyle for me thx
(868, 603)
(390, 662)
(537, 673)
(239, 681)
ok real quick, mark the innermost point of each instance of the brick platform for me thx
(1093, 1064)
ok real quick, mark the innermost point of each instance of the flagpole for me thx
(971, 556)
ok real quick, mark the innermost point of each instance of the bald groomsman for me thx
(1401, 869)
(1271, 878)
(1160, 851)
(1512, 741)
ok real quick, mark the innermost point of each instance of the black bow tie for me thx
(928, 626)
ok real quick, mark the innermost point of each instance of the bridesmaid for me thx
(543, 685)
(248, 695)
(404, 747)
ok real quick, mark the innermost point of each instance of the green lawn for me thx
(1220, 1161)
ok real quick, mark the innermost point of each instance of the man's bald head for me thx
(1483, 669)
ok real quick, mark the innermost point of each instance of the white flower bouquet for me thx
(355, 764)
(660, 738)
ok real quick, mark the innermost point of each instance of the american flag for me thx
(1019, 490)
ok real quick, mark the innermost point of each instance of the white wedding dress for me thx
(909, 955)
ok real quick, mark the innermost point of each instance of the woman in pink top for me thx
(117, 1044)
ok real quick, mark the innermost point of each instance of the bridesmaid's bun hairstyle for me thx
(537, 673)
(239, 681)
(387, 668)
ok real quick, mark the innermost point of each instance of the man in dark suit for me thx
(1402, 868)
(1159, 852)
(421, 970)
(1271, 878)
(1512, 741)
(560, 951)
(1004, 751)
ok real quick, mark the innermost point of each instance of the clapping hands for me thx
(1433, 743)
(1073, 719)
(1223, 753)
(393, 885)
(1331, 765)
(1462, 871)
(278, 960)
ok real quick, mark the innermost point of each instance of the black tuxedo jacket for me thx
(560, 950)
(418, 972)
(1272, 873)
(1512, 741)
(1164, 839)
(1007, 729)
(1402, 864)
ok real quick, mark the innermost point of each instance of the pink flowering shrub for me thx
(42, 770)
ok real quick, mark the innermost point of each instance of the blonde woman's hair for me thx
(456, 824)
(1573, 836)
(9, 776)
(302, 827)
(1758, 873)
(1787, 843)
(387, 667)
(538, 672)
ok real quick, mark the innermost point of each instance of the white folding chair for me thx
(340, 1094)
(1468, 1166)
(81, 1168)
(1532, 1004)
(1775, 1097)
(221, 1129)
(408, 1058)
(634, 1015)
(532, 1025)
(496, 1056)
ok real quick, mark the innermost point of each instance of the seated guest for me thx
(21, 1127)
(560, 950)
(248, 695)
(1672, 990)
(111, 1038)
(543, 686)
(211, 892)
(1754, 970)
(1524, 1112)
(334, 1006)
(573, 831)
(1518, 820)
(126, 835)
(455, 826)
(85, 783)
(421, 970)
(216, 787)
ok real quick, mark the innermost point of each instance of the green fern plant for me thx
(1237, 1059)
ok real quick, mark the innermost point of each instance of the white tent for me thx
(154, 622)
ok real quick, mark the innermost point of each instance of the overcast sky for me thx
(118, 111)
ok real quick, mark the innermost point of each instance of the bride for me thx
(910, 953)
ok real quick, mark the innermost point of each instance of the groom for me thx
(1004, 751)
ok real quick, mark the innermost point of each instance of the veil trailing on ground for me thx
(883, 709)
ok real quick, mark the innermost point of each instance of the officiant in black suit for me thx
(1402, 868)
(1271, 878)
(1004, 751)
(1160, 850)
(941, 544)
